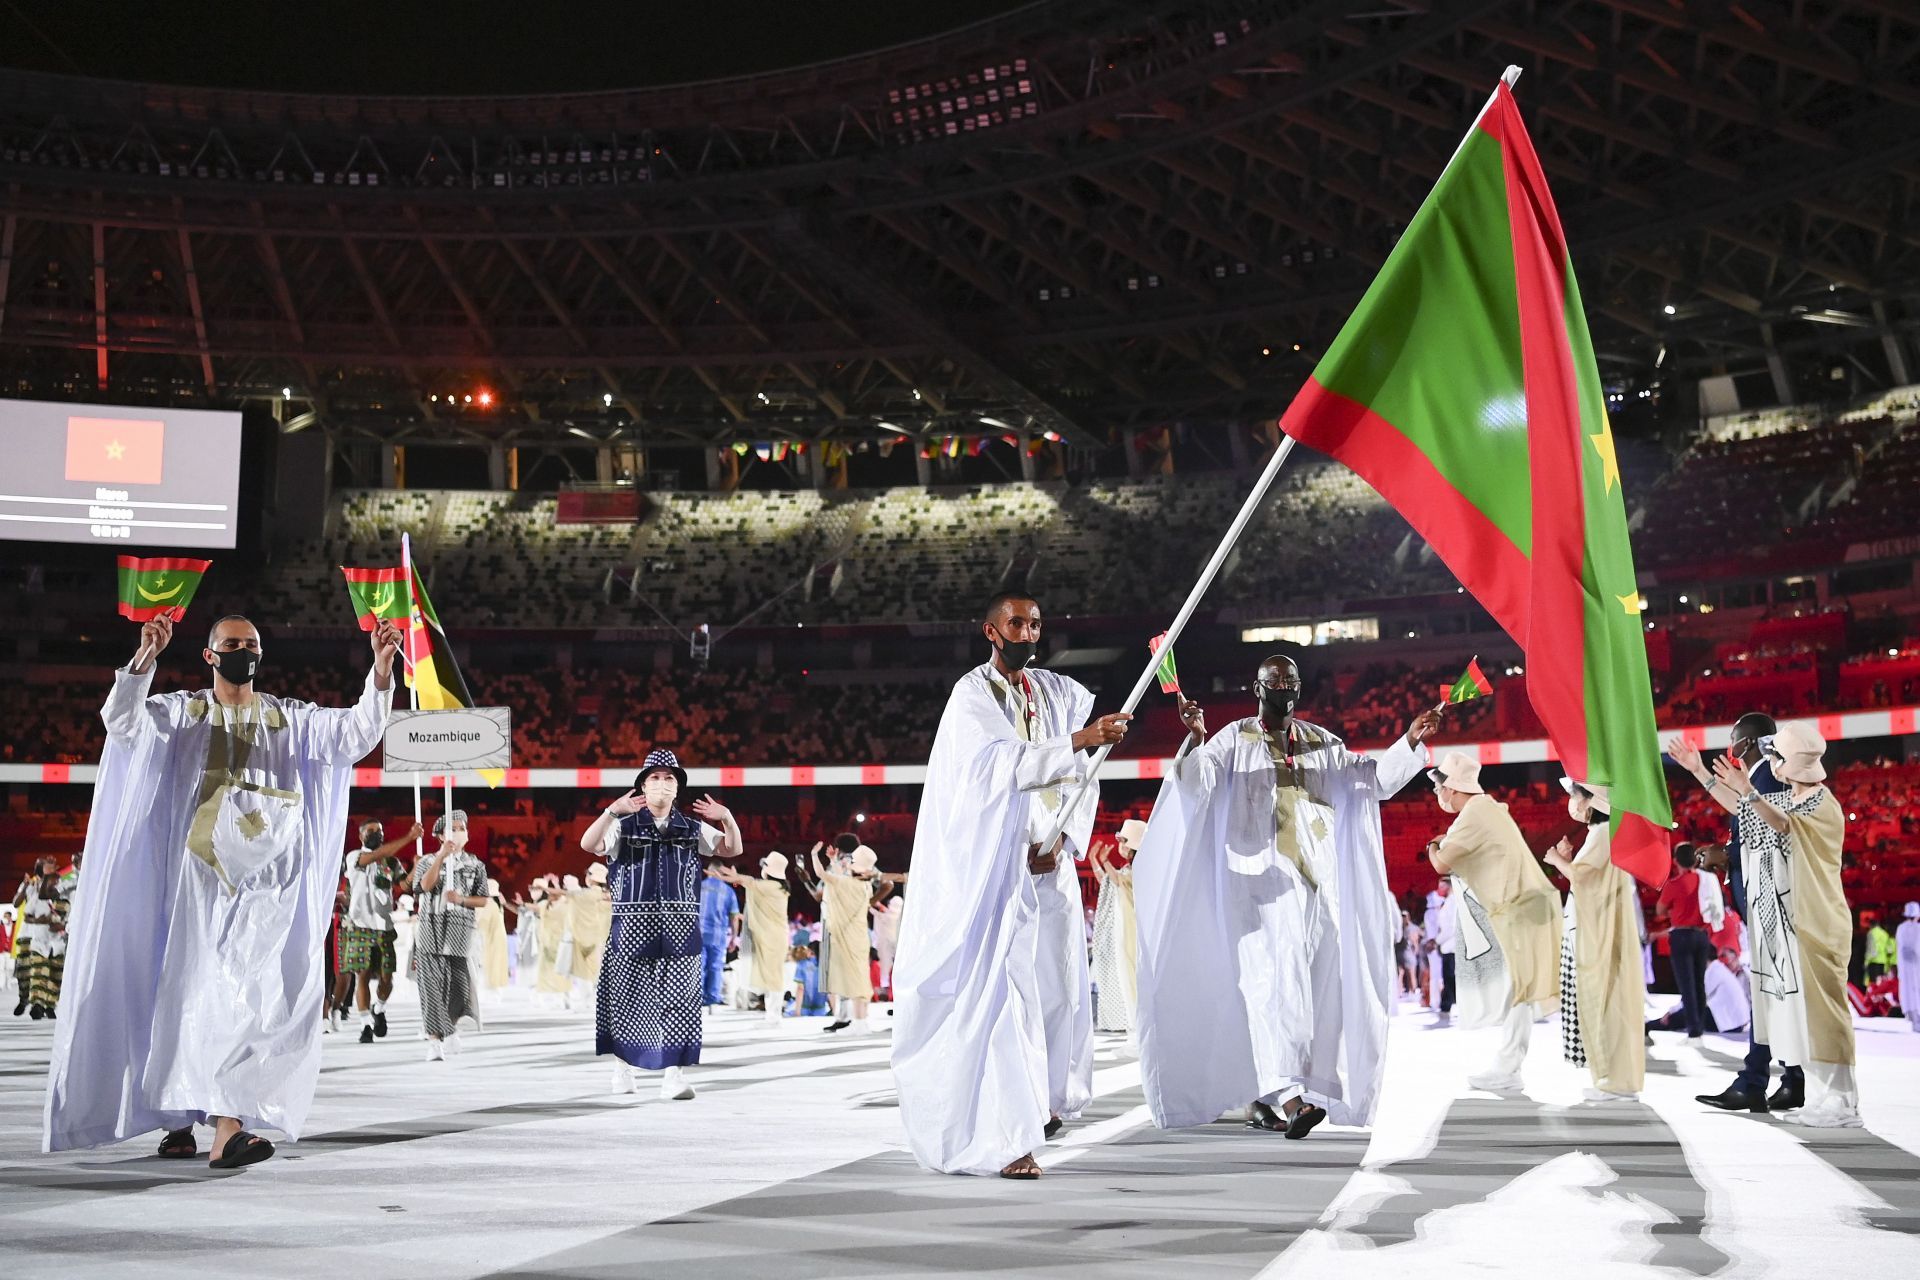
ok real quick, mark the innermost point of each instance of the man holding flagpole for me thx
(993, 1042)
(194, 982)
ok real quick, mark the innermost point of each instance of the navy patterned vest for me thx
(654, 876)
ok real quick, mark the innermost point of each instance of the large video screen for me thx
(130, 477)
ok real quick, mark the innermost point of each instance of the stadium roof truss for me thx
(1079, 218)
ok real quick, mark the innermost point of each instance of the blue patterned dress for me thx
(647, 1012)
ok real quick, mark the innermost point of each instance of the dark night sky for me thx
(456, 46)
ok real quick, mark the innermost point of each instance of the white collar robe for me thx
(1260, 978)
(195, 981)
(993, 1024)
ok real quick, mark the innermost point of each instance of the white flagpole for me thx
(1179, 623)
(413, 686)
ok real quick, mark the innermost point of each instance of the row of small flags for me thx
(833, 453)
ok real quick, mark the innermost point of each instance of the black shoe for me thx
(1054, 1126)
(366, 1033)
(380, 1023)
(21, 1007)
(1787, 1097)
(839, 1026)
(1735, 1099)
(1301, 1122)
(36, 1013)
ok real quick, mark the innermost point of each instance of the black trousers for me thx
(1692, 952)
(1446, 982)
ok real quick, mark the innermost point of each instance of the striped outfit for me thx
(442, 942)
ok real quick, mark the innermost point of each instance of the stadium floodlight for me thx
(286, 393)
(995, 422)
(1668, 309)
(607, 399)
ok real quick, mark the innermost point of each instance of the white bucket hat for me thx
(1132, 832)
(1459, 771)
(596, 874)
(774, 866)
(865, 861)
(1799, 749)
(1596, 796)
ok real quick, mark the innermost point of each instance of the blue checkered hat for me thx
(660, 758)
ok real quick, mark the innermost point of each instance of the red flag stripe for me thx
(1556, 622)
(1405, 476)
(166, 564)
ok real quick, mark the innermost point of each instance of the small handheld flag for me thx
(1168, 673)
(379, 595)
(1473, 683)
(158, 587)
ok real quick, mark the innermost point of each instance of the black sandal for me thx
(1054, 1126)
(1022, 1175)
(1264, 1118)
(1301, 1122)
(242, 1149)
(179, 1145)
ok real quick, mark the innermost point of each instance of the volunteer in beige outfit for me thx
(765, 935)
(1604, 1006)
(1800, 931)
(1507, 969)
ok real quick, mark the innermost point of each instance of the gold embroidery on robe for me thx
(236, 731)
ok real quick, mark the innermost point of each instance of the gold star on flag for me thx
(1630, 603)
(116, 450)
(1609, 464)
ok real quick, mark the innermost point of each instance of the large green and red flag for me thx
(1464, 389)
(160, 585)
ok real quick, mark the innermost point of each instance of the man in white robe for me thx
(1906, 950)
(213, 852)
(993, 1038)
(1272, 830)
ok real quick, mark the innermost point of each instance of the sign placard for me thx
(449, 741)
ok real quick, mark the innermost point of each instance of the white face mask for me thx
(1446, 805)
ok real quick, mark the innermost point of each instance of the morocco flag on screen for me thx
(114, 450)
(1464, 389)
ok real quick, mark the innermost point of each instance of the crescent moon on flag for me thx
(382, 600)
(145, 594)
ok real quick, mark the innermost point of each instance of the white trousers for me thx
(1516, 1033)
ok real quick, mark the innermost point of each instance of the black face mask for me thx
(237, 665)
(1016, 654)
(1277, 704)
(371, 839)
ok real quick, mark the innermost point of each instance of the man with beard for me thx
(1273, 827)
(195, 983)
(993, 1044)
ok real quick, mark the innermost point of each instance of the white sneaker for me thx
(622, 1077)
(1496, 1081)
(859, 1027)
(1696, 1040)
(453, 1044)
(674, 1086)
(1828, 1114)
(436, 1052)
(1602, 1095)
(773, 1016)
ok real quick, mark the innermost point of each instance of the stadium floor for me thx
(513, 1160)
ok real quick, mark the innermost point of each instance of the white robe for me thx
(1906, 950)
(1252, 982)
(195, 981)
(994, 1027)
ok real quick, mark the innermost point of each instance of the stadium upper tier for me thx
(1794, 496)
